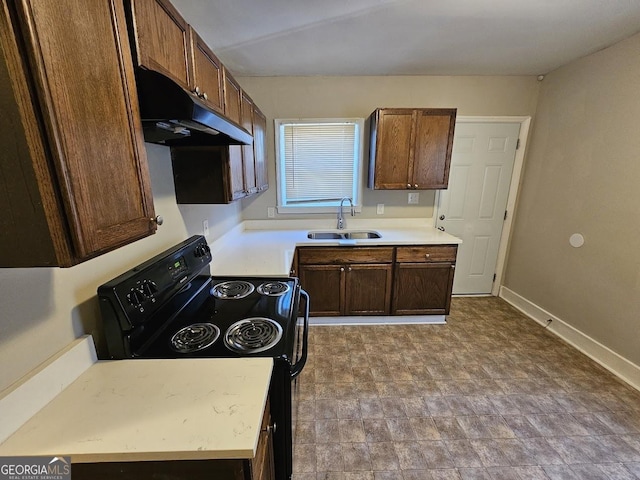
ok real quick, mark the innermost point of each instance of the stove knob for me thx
(149, 288)
(201, 250)
(135, 297)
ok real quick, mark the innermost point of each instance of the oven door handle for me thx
(299, 365)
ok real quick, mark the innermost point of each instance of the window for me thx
(319, 162)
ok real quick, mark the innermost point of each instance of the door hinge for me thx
(518, 144)
(494, 277)
(505, 215)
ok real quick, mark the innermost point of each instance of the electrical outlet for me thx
(413, 198)
(380, 209)
(205, 228)
(271, 212)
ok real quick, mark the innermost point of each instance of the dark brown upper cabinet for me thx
(232, 97)
(260, 149)
(410, 148)
(248, 161)
(207, 77)
(161, 40)
(165, 43)
(74, 181)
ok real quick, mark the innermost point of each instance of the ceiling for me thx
(407, 37)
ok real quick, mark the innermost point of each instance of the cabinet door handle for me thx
(442, 217)
(427, 255)
(415, 185)
(271, 428)
(157, 220)
(441, 229)
(408, 185)
(349, 268)
(342, 269)
(205, 96)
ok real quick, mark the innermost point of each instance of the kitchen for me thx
(575, 109)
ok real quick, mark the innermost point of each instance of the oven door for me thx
(300, 350)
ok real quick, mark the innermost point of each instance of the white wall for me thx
(582, 175)
(44, 309)
(317, 97)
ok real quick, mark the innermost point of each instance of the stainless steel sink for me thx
(346, 235)
(359, 235)
(324, 236)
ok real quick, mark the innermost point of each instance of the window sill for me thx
(313, 210)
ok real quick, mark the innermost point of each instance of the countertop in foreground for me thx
(134, 410)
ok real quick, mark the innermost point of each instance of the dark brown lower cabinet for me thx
(411, 280)
(368, 289)
(347, 280)
(421, 288)
(261, 467)
(423, 279)
(325, 286)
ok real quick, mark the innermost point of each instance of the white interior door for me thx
(473, 207)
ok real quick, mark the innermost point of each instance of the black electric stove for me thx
(171, 307)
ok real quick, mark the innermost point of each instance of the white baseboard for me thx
(615, 363)
(380, 320)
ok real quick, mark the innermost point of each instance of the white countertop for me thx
(266, 248)
(134, 410)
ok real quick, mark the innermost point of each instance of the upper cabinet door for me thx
(82, 68)
(247, 150)
(232, 97)
(433, 147)
(161, 39)
(392, 148)
(207, 73)
(260, 148)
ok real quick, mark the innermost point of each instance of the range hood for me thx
(173, 116)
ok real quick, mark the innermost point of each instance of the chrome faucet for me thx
(341, 220)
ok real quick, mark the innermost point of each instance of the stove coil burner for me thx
(195, 337)
(273, 289)
(253, 335)
(233, 290)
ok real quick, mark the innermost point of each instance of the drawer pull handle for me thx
(427, 255)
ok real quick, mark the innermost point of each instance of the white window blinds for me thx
(319, 162)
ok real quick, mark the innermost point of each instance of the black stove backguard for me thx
(163, 306)
(155, 289)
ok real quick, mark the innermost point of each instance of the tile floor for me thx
(490, 395)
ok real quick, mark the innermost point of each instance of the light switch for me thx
(205, 228)
(380, 209)
(271, 212)
(414, 198)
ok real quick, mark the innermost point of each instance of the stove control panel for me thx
(138, 293)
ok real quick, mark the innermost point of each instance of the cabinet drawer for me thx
(332, 256)
(426, 254)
